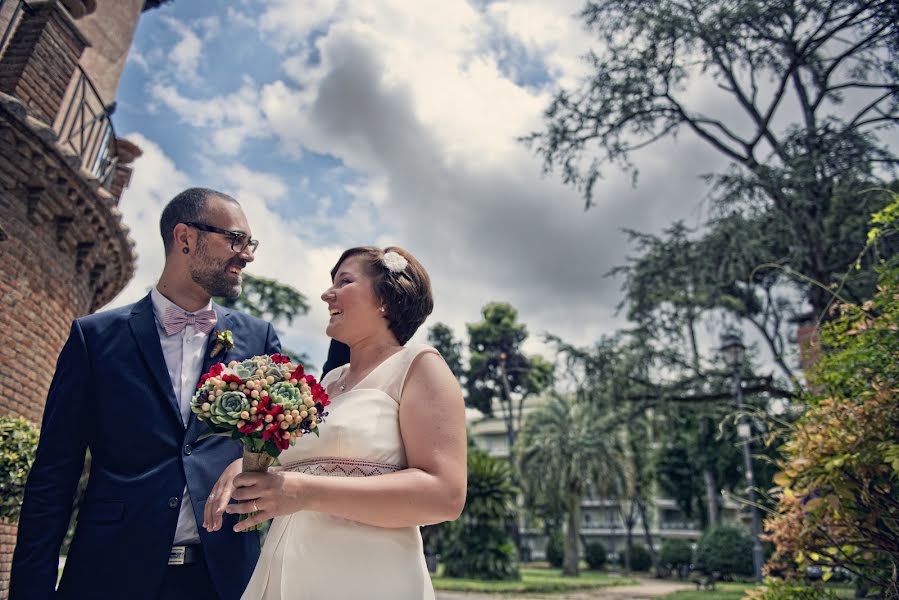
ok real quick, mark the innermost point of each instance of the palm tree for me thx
(566, 450)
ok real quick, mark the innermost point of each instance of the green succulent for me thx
(227, 408)
(285, 394)
(274, 371)
(246, 369)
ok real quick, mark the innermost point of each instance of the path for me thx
(646, 588)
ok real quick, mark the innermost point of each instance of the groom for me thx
(122, 389)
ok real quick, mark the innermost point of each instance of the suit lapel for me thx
(223, 322)
(146, 336)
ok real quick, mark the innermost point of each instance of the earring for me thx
(381, 309)
(185, 250)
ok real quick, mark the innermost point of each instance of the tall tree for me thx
(565, 452)
(500, 371)
(836, 61)
(440, 335)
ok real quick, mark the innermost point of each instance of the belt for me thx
(186, 555)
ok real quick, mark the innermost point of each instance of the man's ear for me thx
(183, 237)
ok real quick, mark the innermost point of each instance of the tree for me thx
(273, 301)
(441, 337)
(477, 544)
(499, 370)
(839, 497)
(564, 453)
(835, 60)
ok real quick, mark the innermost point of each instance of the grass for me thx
(535, 580)
(722, 591)
(736, 591)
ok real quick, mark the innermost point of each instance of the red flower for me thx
(217, 369)
(279, 359)
(249, 427)
(273, 433)
(231, 379)
(298, 373)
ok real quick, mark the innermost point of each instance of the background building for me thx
(64, 251)
(601, 518)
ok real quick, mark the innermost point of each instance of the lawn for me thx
(533, 580)
(736, 591)
(722, 591)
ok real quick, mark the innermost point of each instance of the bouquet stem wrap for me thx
(255, 462)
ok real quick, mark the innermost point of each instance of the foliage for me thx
(477, 544)
(555, 549)
(775, 589)
(839, 495)
(640, 558)
(764, 58)
(441, 337)
(534, 580)
(18, 442)
(273, 301)
(595, 555)
(497, 367)
(725, 549)
(564, 453)
(676, 553)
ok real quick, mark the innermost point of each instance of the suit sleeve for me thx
(338, 355)
(51, 485)
(272, 342)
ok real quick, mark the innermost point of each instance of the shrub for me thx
(478, 543)
(775, 589)
(18, 441)
(555, 549)
(675, 554)
(640, 558)
(595, 554)
(725, 549)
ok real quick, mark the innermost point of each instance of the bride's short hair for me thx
(405, 292)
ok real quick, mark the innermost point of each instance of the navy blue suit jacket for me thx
(112, 394)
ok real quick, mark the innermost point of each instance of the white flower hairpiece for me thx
(394, 261)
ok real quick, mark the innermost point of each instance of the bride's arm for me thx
(430, 490)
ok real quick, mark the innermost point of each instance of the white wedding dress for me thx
(314, 556)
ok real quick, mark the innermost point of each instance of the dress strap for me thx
(391, 377)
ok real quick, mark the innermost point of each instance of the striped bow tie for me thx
(176, 320)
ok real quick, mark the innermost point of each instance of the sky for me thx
(338, 124)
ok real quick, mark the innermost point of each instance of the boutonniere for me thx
(224, 340)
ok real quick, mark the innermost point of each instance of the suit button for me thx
(188, 449)
(173, 502)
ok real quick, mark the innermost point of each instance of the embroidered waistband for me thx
(340, 467)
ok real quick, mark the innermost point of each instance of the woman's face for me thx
(352, 303)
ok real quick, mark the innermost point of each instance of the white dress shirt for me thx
(183, 353)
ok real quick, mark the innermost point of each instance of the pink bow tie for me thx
(176, 320)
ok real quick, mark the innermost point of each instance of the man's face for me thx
(215, 266)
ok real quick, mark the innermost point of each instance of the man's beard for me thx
(214, 278)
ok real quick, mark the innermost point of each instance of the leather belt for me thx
(186, 555)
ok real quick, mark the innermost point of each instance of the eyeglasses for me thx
(239, 241)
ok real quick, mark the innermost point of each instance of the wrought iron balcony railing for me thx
(86, 129)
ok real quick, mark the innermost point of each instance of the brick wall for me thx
(66, 253)
(7, 543)
(40, 59)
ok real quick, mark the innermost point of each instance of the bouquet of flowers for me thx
(265, 402)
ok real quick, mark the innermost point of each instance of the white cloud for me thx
(185, 55)
(154, 182)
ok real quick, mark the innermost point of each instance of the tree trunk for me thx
(647, 534)
(572, 554)
(711, 494)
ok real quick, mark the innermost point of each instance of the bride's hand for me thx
(220, 496)
(268, 495)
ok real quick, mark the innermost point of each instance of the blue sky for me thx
(344, 123)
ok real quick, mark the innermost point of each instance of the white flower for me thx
(394, 261)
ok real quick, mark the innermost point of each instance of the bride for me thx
(391, 455)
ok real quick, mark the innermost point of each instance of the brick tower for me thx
(64, 251)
